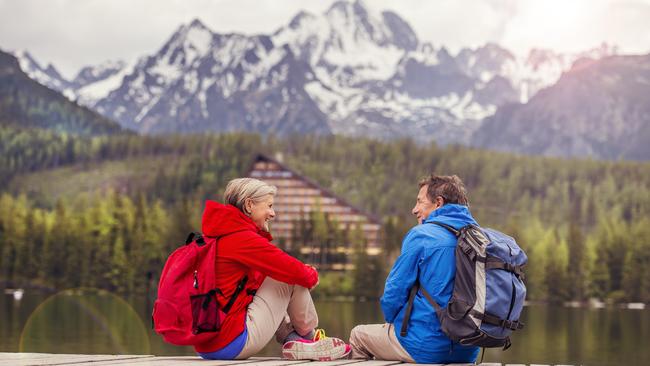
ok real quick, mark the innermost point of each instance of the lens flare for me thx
(87, 321)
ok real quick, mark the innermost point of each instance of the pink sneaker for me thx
(321, 348)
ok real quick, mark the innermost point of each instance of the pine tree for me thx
(577, 262)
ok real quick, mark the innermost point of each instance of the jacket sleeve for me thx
(259, 254)
(402, 276)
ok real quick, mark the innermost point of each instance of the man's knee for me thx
(359, 350)
(355, 334)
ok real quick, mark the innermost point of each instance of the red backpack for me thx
(186, 311)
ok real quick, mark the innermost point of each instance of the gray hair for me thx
(449, 187)
(240, 189)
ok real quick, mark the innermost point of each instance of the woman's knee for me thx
(304, 326)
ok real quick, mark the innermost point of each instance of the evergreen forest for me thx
(104, 211)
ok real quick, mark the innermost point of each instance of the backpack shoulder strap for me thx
(238, 290)
(409, 306)
(448, 227)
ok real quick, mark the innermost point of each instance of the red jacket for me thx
(244, 249)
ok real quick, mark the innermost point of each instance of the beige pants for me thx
(377, 341)
(277, 309)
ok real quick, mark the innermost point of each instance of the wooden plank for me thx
(377, 363)
(140, 361)
(175, 360)
(458, 364)
(337, 362)
(20, 359)
(66, 359)
(5, 356)
(36, 359)
(277, 362)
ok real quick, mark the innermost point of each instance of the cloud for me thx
(626, 24)
(75, 33)
(453, 23)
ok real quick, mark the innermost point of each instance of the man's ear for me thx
(439, 202)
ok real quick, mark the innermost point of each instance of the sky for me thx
(76, 33)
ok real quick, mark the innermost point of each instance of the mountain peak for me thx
(23, 54)
(355, 22)
(402, 33)
(495, 50)
(345, 6)
(538, 56)
(195, 27)
(46, 109)
(197, 24)
(599, 52)
(52, 71)
(298, 20)
(195, 38)
(48, 76)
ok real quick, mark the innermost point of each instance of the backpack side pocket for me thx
(207, 316)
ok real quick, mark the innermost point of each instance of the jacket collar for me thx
(220, 220)
(452, 214)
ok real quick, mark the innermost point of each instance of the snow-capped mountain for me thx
(598, 109)
(48, 76)
(350, 70)
(93, 74)
(94, 83)
(91, 84)
(202, 81)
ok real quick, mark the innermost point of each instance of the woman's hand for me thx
(317, 277)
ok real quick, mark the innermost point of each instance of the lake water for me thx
(91, 322)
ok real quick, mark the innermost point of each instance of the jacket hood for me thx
(219, 220)
(453, 215)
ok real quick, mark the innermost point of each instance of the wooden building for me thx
(299, 202)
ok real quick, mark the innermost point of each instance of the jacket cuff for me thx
(312, 277)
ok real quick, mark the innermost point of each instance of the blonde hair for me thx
(240, 189)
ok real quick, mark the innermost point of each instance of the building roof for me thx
(326, 192)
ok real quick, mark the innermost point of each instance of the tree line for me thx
(584, 224)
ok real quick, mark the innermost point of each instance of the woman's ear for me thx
(248, 206)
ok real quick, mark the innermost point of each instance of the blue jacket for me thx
(427, 256)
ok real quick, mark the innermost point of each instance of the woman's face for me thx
(261, 212)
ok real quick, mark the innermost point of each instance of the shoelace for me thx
(319, 334)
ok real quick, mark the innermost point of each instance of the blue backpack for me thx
(489, 291)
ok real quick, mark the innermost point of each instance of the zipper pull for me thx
(196, 279)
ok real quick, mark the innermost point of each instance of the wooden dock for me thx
(41, 359)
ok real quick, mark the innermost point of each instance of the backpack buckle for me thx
(512, 324)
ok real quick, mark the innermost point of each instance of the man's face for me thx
(423, 206)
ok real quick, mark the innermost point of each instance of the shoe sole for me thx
(327, 349)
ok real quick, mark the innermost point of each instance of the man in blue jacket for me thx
(427, 257)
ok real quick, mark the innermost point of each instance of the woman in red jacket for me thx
(275, 298)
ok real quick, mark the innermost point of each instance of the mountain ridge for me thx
(350, 70)
(24, 103)
(599, 108)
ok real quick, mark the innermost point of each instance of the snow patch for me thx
(90, 94)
